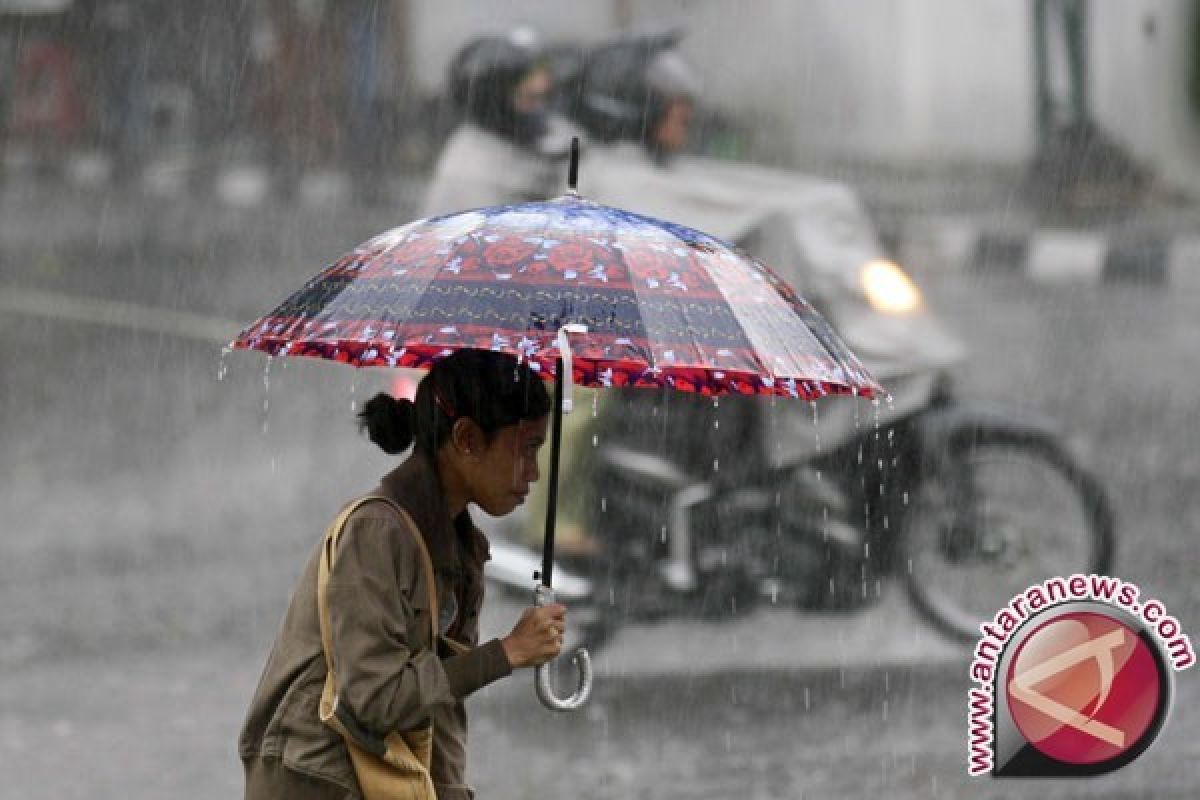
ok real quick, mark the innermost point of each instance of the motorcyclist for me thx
(508, 147)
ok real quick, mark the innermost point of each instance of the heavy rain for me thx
(994, 205)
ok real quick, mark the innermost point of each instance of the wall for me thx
(903, 81)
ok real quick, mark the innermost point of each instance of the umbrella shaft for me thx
(547, 575)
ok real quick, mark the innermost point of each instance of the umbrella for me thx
(585, 294)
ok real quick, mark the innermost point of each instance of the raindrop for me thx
(716, 465)
(353, 399)
(595, 404)
(595, 440)
(266, 393)
(662, 534)
(807, 699)
(222, 367)
(816, 428)
(603, 505)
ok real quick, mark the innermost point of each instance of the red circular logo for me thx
(1084, 688)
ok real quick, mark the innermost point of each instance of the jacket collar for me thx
(415, 486)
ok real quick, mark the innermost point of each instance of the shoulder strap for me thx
(329, 549)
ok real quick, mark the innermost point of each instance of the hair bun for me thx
(389, 422)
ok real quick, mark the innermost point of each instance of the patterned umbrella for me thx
(618, 298)
(658, 304)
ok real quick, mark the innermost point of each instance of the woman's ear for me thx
(467, 438)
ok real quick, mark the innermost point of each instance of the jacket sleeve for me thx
(383, 682)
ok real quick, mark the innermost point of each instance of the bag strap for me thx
(329, 548)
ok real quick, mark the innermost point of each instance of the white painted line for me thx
(113, 313)
(1058, 256)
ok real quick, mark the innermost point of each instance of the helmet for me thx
(483, 75)
(626, 85)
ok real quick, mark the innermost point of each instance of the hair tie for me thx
(446, 408)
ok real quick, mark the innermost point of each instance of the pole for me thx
(547, 574)
(543, 594)
(573, 167)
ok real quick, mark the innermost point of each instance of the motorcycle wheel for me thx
(1000, 512)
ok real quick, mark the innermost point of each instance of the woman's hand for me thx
(537, 637)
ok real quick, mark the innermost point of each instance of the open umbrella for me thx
(585, 294)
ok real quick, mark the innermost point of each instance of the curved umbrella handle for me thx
(583, 689)
(544, 595)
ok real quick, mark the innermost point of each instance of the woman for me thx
(477, 423)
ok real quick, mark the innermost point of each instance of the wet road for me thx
(156, 517)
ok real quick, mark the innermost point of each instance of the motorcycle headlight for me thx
(888, 288)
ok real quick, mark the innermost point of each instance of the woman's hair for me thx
(488, 387)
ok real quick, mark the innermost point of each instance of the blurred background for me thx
(170, 171)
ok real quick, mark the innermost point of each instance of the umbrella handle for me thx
(543, 595)
(564, 352)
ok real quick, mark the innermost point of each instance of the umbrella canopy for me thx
(661, 304)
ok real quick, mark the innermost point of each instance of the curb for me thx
(1139, 253)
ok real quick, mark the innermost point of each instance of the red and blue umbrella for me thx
(659, 304)
(620, 298)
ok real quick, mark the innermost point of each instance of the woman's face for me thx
(508, 466)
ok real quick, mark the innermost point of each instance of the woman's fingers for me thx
(539, 635)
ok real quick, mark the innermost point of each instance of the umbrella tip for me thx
(573, 169)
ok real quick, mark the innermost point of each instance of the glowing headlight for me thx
(888, 288)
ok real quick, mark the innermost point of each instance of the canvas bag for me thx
(396, 767)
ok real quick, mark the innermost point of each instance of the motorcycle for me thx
(823, 502)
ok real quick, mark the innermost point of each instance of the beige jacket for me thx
(389, 677)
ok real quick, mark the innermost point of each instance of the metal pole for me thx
(573, 168)
(547, 573)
